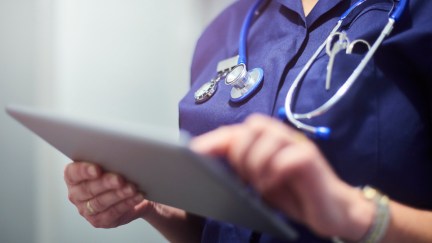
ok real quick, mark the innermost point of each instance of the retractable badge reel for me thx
(207, 90)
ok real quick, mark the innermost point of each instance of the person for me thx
(381, 130)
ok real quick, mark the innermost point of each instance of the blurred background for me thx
(125, 59)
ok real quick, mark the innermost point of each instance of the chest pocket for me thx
(332, 68)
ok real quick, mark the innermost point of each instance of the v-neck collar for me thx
(321, 7)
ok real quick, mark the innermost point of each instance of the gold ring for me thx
(89, 207)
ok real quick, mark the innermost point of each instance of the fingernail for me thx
(128, 190)
(138, 198)
(91, 170)
(114, 181)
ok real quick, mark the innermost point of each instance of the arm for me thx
(409, 224)
(106, 200)
(291, 174)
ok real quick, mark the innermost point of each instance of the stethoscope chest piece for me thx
(244, 82)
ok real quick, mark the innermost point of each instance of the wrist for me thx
(376, 222)
(359, 216)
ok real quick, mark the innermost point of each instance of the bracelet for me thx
(381, 219)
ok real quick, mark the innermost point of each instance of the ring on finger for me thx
(90, 208)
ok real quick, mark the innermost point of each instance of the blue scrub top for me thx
(381, 130)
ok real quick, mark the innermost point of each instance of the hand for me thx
(291, 174)
(104, 199)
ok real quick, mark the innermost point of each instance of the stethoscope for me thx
(244, 83)
(336, 42)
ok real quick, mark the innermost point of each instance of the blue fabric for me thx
(381, 130)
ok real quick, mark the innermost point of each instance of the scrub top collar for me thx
(322, 7)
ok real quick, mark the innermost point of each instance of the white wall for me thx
(125, 59)
(16, 150)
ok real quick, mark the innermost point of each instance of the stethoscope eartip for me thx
(322, 133)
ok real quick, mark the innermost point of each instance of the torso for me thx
(381, 130)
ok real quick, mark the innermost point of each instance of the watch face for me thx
(205, 92)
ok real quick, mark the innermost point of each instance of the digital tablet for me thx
(165, 169)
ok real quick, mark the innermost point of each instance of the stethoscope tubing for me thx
(245, 30)
(397, 13)
(324, 132)
(289, 97)
(244, 84)
(350, 81)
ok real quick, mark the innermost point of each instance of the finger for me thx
(242, 142)
(257, 142)
(221, 141)
(106, 200)
(232, 142)
(215, 143)
(260, 155)
(292, 165)
(77, 172)
(290, 179)
(277, 127)
(120, 213)
(91, 188)
(218, 141)
(274, 137)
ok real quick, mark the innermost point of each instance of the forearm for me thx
(174, 224)
(408, 225)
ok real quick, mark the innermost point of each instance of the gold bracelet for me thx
(381, 218)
